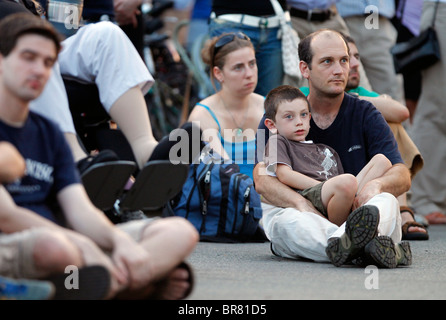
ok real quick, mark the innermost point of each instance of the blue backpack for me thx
(220, 202)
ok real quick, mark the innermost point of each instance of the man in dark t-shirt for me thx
(357, 131)
(32, 244)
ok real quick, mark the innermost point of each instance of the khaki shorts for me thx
(314, 194)
(16, 249)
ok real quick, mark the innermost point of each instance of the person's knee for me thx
(347, 184)
(182, 229)
(382, 161)
(54, 252)
(177, 230)
(103, 28)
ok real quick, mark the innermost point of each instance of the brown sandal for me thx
(405, 228)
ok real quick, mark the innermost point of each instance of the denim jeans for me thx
(268, 51)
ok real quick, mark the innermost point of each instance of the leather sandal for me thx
(405, 228)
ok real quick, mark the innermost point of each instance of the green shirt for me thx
(359, 90)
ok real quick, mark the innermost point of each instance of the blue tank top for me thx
(241, 153)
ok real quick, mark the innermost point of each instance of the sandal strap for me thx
(407, 225)
(407, 209)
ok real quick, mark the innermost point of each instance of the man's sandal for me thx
(405, 228)
(161, 296)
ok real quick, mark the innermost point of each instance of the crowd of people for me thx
(341, 171)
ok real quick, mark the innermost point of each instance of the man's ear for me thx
(270, 125)
(304, 69)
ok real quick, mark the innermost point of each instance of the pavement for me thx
(249, 271)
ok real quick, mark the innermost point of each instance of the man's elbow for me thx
(405, 177)
(259, 178)
(404, 114)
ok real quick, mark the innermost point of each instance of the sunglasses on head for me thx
(227, 38)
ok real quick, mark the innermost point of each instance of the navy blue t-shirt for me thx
(358, 133)
(49, 164)
(94, 9)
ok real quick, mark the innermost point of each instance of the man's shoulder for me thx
(47, 123)
(353, 101)
(49, 129)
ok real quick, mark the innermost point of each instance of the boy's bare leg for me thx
(376, 167)
(338, 194)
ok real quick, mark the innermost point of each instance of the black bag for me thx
(419, 52)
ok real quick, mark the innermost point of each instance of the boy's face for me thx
(27, 68)
(292, 120)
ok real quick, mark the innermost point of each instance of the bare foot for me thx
(407, 217)
(176, 286)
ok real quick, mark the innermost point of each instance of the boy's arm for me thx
(293, 178)
(278, 194)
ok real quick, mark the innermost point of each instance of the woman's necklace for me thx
(239, 130)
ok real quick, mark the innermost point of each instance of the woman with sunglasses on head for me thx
(258, 20)
(230, 117)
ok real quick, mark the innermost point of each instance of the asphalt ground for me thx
(249, 271)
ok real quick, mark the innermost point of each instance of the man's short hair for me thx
(305, 51)
(280, 94)
(18, 24)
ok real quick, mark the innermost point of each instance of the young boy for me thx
(315, 170)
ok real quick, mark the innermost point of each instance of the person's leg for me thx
(375, 168)
(169, 241)
(269, 60)
(387, 250)
(130, 114)
(294, 234)
(36, 253)
(428, 128)
(91, 56)
(376, 228)
(389, 215)
(188, 142)
(337, 195)
(47, 254)
(76, 149)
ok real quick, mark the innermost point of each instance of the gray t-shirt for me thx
(315, 160)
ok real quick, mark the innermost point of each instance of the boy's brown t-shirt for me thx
(315, 160)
